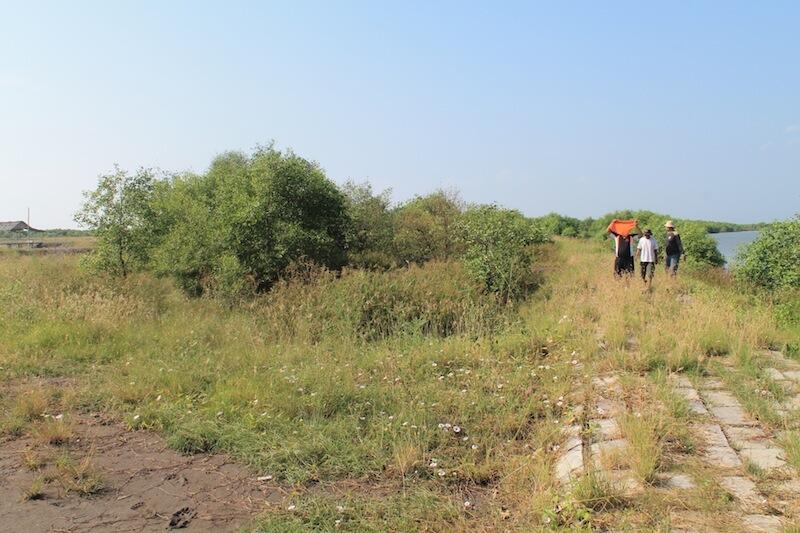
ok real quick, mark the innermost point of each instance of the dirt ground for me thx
(146, 487)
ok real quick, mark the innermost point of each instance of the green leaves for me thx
(425, 227)
(120, 214)
(497, 248)
(236, 229)
(773, 259)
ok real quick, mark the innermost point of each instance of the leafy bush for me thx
(425, 227)
(371, 229)
(773, 259)
(497, 249)
(119, 212)
(239, 226)
(701, 249)
(555, 224)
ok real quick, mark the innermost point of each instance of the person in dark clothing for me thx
(623, 258)
(673, 250)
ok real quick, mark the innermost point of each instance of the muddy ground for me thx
(145, 485)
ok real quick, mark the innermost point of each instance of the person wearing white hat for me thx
(673, 250)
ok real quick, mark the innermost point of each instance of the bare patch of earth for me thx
(145, 485)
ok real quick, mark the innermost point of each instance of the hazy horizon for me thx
(579, 109)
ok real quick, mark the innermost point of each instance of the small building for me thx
(16, 226)
(16, 234)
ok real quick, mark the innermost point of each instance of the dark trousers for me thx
(623, 265)
(648, 269)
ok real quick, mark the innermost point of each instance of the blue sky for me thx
(691, 108)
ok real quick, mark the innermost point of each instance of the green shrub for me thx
(246, 220)
(701, 249)
(498, 249)
(773, 259)
(119, 213)
(425, 227)
(371, 229)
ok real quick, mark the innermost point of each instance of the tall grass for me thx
(411, 379)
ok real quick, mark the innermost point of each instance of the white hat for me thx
(669, 225)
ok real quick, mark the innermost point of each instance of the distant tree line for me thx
(237, 228)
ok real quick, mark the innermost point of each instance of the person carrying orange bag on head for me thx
(623, 232)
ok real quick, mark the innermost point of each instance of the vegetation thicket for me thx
(773, 259)
(387, 367)
(237, 229)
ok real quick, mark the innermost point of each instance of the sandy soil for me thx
(147, 487)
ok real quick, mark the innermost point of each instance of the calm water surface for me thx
(729, 242)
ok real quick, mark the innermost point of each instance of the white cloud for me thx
(793, 128)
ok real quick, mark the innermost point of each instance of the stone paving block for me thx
(720, 398)
(697, 407)
(606, 408)
(723, 457)
(731, 415)
(570, 464)
(713, 435)
(794, 375)
(609, 448)
(743, 489)
(713, 384)
(682, 382)
(688, 393)
(761, 523)
(774, 373)
(746, 436)
(676, 481)
(765, 458)
(571, 443)
(606, 428)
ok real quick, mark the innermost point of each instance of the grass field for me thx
(404, 400)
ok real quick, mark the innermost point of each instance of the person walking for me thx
(673, 249)
(623, 256)
(648, 256)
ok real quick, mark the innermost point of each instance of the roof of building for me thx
(16, 225)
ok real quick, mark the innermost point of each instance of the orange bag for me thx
(624, 227)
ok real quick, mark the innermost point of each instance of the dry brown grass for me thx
(33, 460)
(31, 404)
(53, 431)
